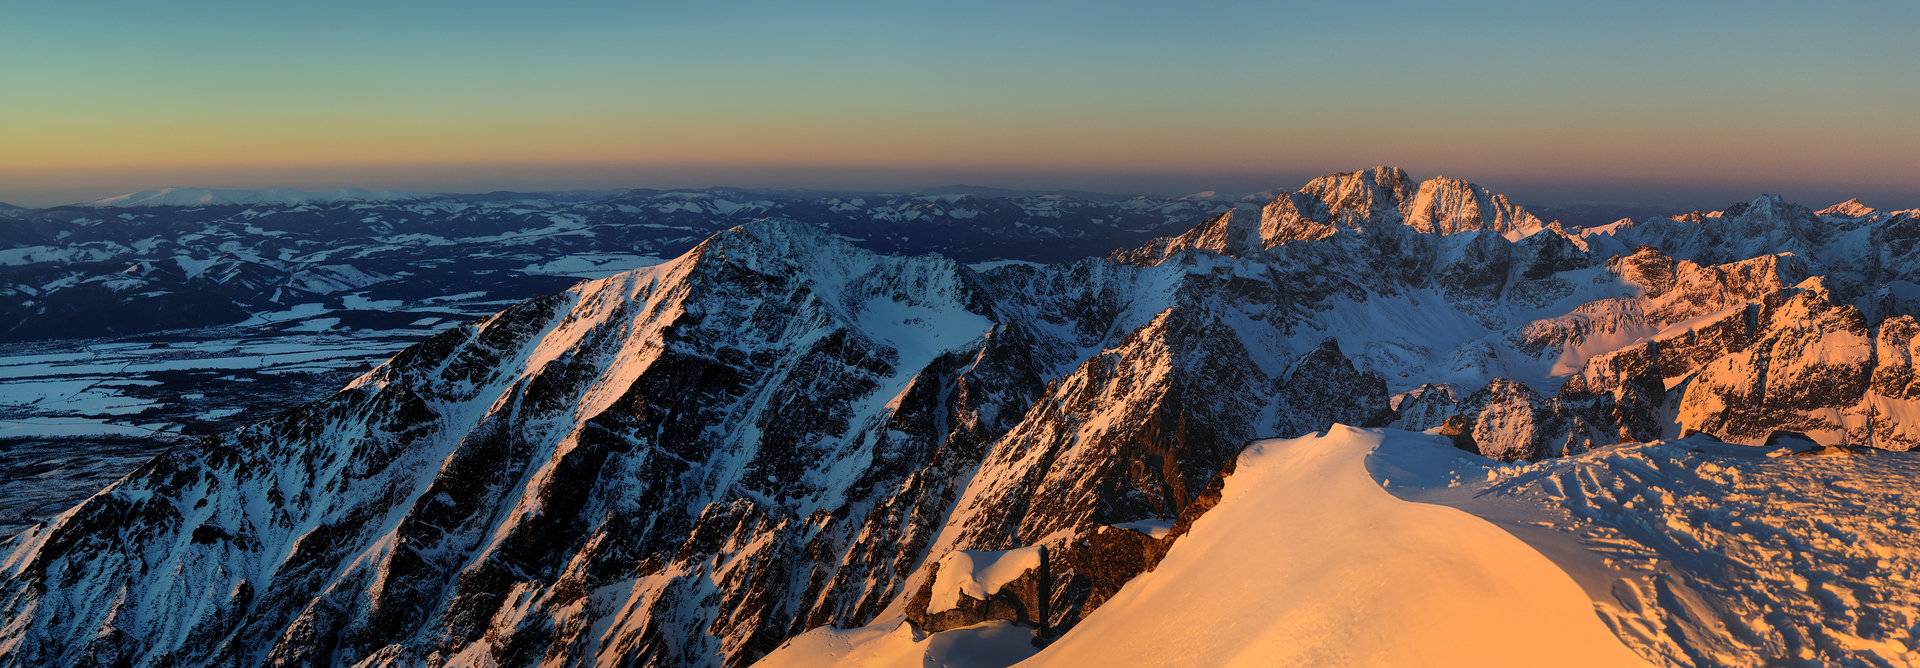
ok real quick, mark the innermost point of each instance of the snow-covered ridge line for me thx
(1308, 561)
(1305, 560)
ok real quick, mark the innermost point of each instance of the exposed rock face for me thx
(1450, 206)
(1893, 389)
(1016, 599)
(1352, 201)
(1225, 233)
(688, 464)
(1866, 256)
(1324, 388)
(1791, 361)
(1372, 200)
(1135, 432)
(1424, 407)
(1511, 422)
(1852, 208)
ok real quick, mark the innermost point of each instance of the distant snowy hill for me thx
(228, 196)
(119, 266)
(791, 425)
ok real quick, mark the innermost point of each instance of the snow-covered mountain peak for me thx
(1445, 205)
(1852, 208)
(916, 303)
(177, 196)
(778, 236)
(1359, 195)
(1767, 204)
(1379, 199)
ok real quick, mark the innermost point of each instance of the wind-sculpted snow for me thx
(1306, 561)
(690, 463)
(1700, 553)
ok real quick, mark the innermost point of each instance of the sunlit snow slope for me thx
(1307, 561)
(896, 644)
(1702, 553)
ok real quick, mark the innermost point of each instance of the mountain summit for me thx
(1381, 200)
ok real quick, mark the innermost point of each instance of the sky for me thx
(1697, 103)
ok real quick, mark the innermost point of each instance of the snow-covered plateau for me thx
(1370, 421)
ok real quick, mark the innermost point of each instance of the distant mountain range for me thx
(797, 418)
(230, 196)
(179, 258)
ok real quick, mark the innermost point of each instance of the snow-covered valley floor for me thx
(76, 415)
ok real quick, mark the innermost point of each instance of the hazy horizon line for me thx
(48, 190)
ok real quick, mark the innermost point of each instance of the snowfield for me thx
(1702, 553)
(1308, 561)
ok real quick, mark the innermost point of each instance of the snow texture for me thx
(1307, 561)
(1698, 552)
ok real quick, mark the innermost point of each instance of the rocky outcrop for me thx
(959, 591)
(1353, 201)
(1791, 360)
(1424, 407)
(1225, 234)
(1508, 421)
(1324, 388)
(1893, 390)
(1368, 203)
(1137, 431)
(1804, 361)
(1450, 206)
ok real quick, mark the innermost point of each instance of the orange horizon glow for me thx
(106, 100)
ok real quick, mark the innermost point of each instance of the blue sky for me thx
(1604, 101)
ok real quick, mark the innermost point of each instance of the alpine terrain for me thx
(787, 444)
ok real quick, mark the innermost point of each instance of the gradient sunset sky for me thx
(1696, 104)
